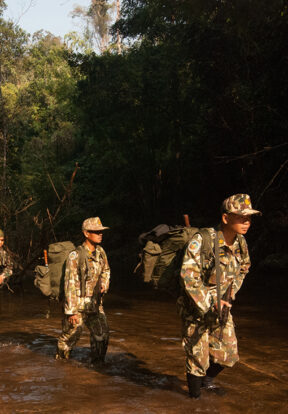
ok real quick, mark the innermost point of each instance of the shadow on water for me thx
(144, 369)
(124, 365)
(36, 342)
(130, 368)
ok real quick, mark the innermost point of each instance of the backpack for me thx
(167, 269)
(161, 258)
(160, 262)
(50, 279)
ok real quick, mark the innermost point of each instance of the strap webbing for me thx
(83, 268)
(218, 272)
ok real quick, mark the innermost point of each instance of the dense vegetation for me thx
(193, 109)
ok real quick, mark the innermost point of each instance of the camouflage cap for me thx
(239, 204)
(1, 233)
(93, 223)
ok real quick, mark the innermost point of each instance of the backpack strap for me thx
(242, 244)
(207, 249)
(207, 245)
(83, 268)
(218, 272)
(206, 252)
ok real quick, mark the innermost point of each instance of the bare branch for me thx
(271, 181)
(53, 186)
(38, 223)
(24, 10)
(228, 158)
(25, 208)
(30, 245)
(51, 222)
(67, 193)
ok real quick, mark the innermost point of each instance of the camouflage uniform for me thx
(6, 265)
(88, 308)
(209, 347)
(200, 326)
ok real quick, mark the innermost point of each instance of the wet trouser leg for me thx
(70, 335)
(224, 352)
(196, 346)
(202, 346)
(99, 335)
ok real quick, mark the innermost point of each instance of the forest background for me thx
(171, 109)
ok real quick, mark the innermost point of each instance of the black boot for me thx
(62, 355)
(214, 369)
(194, 385)
(98, 353)
(207, 381)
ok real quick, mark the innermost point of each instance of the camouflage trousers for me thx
(99, 335)
(202, 345)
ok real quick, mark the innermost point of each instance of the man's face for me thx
(94, 236)
(237, 223)
(1, 241)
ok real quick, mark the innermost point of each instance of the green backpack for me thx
(50, 278)
(168, 266)
(161, 262)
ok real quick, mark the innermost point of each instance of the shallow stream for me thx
(144, 371)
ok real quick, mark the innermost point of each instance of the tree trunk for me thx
(118, 33)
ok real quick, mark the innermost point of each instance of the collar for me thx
(90, 253)
(222, 242)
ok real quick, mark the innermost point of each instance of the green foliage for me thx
(2, 6)
(12, 40)
(40, 132)
(192, 111)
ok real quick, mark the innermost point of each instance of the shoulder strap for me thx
(218, 275)
(207, 244)
(206, 253)
(242, 244)
(83, 267)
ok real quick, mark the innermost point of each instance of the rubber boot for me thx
(194, 385)
(214, 369)
(207, 381)
(98, 353)
(62, 355)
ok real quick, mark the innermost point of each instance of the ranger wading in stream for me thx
(208, 287)
(83, 293)
(6, 264)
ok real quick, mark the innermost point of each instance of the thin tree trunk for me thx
(118, 33)
(4, 134)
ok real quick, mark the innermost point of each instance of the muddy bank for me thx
(144, 372)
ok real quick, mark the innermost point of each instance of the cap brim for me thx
(247, 212)
(96, 229)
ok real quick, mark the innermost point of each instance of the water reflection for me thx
(144, 371)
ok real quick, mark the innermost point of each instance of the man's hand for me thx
(1, 279)
(223, 303)
(73, 319)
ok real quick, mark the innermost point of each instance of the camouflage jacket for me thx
(199, 279)
(97, 278)
(6, 264)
